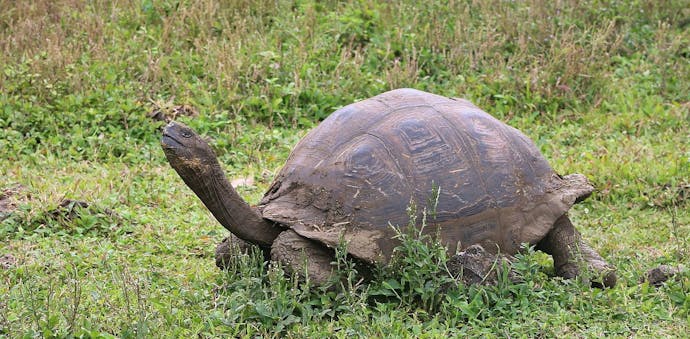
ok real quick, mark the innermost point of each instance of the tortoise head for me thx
(187, 152)
(193, 159)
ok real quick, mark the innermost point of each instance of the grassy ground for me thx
(601, 86)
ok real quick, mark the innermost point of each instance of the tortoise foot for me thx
(572, 256)
(599, 273)
(300, 255)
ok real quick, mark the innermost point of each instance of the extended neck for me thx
(216, 192)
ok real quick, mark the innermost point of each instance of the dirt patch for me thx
(81, 217)
(166, 113)
(69, 210)
(683, 192)
(70, 217)
(669, 195)
(10, 198)
(7, 261)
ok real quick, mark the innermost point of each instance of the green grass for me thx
(601, 86)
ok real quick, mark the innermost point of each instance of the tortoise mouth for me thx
(169, 142)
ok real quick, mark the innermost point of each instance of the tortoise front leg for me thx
(231, 246)
(571, 253)
(294, 251)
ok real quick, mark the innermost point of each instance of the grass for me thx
(601, 86)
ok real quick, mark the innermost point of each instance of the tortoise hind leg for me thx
(294, 251)
(571, 253)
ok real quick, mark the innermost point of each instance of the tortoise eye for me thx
(186, 134)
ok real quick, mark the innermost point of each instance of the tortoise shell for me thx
(354, 176)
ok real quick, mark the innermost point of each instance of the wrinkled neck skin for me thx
(207, 180)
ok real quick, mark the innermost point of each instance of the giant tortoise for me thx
(353, 177)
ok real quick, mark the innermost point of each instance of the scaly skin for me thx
(571, 253)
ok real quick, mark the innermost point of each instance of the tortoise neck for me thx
(218, 195)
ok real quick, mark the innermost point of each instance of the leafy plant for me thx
(417, 274)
